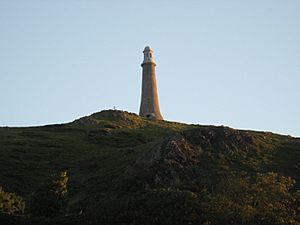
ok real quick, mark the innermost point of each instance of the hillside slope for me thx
(124, 169)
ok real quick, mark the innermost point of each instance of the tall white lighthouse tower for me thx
(149, 103)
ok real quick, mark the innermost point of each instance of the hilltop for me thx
(124, 169)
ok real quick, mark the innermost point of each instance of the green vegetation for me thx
(123, 169)
(269, 199)
(50, 199)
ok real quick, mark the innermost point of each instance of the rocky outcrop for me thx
(222, 139)
(168, 165)
(175, 162)
(174, 151)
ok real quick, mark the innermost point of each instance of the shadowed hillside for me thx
(123, 169)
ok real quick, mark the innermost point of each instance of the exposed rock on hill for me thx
(222, 138)
(167, 164)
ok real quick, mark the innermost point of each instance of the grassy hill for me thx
(124, 169)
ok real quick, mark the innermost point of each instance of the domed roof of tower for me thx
(148, 48)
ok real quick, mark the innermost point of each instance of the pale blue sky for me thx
(232, 62)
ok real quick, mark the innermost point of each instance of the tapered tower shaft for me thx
(149, 103)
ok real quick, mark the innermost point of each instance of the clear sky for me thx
(234, 63)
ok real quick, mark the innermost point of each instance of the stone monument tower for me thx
(149, 102)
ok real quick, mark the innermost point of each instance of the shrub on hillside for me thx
(11, 203)
(50, 199)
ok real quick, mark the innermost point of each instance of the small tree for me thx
(11, 203)
(50, 199)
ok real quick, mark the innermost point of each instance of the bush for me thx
(11, 203)
(50, 199)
